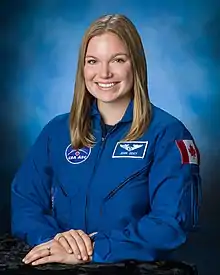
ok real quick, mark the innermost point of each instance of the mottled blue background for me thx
(39, 51)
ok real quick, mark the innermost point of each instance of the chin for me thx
(104, 100)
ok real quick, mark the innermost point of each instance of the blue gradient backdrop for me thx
(39, 50)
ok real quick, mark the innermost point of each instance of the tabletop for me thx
(13, 250)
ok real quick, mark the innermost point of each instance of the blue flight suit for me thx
(140, 196)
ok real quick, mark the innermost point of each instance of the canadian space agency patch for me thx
(77, 156)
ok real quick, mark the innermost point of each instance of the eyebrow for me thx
(114, 55)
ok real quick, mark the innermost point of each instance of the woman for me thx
(117, 178)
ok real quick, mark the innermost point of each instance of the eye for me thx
(119, 60)
(91, 61)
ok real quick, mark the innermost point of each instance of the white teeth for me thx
(106, 85)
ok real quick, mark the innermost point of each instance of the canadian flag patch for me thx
(188, 151)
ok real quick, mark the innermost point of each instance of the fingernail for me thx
(33, 263)
(79, 257)
(85, 258)
(70, 251)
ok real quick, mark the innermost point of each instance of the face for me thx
(108, 71)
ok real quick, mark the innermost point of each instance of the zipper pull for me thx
(52, 199)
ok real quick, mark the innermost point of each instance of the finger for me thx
(60, 238)
(58, 258)
(47, 259)
(87, 242)
(73, 244)
(33, 251)
(63, 241)
(38, 247)
(37, 255)
(81, 244)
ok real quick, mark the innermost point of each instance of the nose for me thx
(105, 71)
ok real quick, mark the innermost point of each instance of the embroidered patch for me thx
(188, 150)
(130, 149)
(77, 156)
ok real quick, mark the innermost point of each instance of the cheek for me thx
(88, 74)
(126, 71)
(128, 76)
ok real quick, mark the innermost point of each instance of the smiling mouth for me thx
(106, 85)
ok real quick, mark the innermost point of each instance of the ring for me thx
(49, 250)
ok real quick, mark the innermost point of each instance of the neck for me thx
(113, 112)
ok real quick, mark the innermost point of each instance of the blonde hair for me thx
(80, 124)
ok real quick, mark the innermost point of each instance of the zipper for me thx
(195, 204)
(53, 195)
(101, 149)
(118, 188)
(61, 187)
(52, 199)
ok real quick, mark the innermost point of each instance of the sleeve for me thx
(175, 196)
(31, 215)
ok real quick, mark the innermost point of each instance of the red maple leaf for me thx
(192, 151)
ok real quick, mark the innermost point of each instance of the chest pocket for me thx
(62, 195)
(128, 202)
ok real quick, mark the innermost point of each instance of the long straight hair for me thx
(80, 122)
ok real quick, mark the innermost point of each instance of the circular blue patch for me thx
(77, 156)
